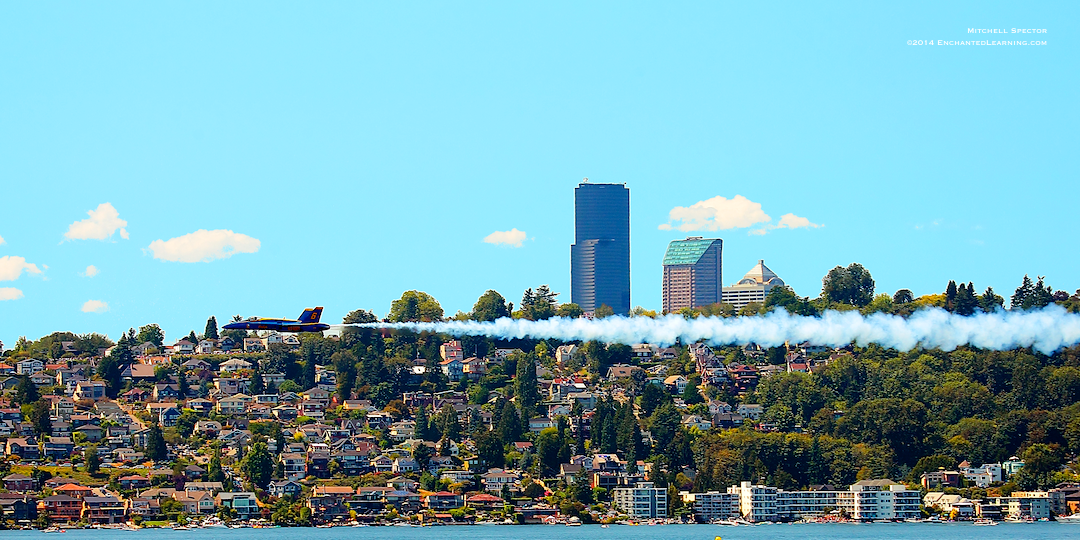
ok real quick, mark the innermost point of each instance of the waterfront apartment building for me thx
(642, 501)
(712, 505)
(753, 287)
(1022, 504)
(692, 273)
(866, 500)
(600, 255)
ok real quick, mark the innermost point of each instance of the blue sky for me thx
(338, 154)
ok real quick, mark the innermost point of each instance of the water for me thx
(868, 531)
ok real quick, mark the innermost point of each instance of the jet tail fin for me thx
(311, 315)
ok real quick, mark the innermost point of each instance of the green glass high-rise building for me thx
(600, 255)
(692, 273)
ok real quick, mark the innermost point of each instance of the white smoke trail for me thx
(1047, 329)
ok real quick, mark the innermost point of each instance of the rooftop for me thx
(687, 251)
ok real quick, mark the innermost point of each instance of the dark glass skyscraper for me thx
(600, 256)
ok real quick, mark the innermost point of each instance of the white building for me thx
(1035, 504)
(866, 500)
(713, 505)
(643, 501)
(753, 287)
(983, 475)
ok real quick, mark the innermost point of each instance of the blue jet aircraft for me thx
(308, 322)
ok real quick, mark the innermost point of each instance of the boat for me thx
(985, 522)
(1074, 518)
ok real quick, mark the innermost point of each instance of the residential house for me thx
(244, 503)
(19, 482)
(59, 448)
(104, 510)
(444, 500)
(284, 488)
(196, 502)
(93, 390)
(495, 479)
(25, 448)
(62, 508)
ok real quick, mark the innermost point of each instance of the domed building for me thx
(753, 287)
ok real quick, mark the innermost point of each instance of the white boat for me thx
(1075, 518)
(985, 522)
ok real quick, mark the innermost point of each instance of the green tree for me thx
(258, 466)
(211, 331)
(966, 302)
(345, 372)
(490, 306)
(903, 296)
(422, 454)
(652, 396)
(526, 388)
(489, 448)
(538, 305)
(214, 472)
(415, 306)
(691, 394)
(603, 311)
(25, 392)
(152, 333)
(257, 385)
(950, 295)
(509, 423)
(156, 448)
(990, 302)
(40, 417)
(91, 460)
(569, 311)
(852, 285)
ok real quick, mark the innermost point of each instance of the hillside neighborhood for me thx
(381, 427)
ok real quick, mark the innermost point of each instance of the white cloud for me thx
(787, 221)
(2, 242)
(102, 223)
(791, 221)
(91, 271)
(203, 246)
(512, 238)
(95, 306)
(720, 213)
(10, 293)
(12, 267)
(717, 213)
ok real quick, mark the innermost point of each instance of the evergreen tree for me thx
(26, 393)
(214, 472)
(182, 383)
(526, 388)
(423, 426)
(307, 380)
(258, 466)
(1023, 297)
(966, 302)
(990, 302)
(91, 459)
(40, 417)
(345, 372)
(691, 394)
(652, 396)
(193, 338)
(509, 424)
(211, 328)
(156, 448)
(950, 295)
(257, 385)
(449, 426)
